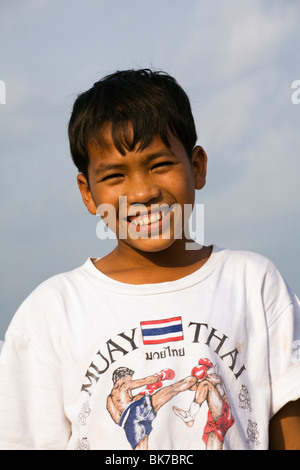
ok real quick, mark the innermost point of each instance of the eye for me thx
(162, 165)
(112, 176)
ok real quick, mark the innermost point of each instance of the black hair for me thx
(121, 373)
(139, 105)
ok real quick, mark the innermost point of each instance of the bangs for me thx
(129, 136)
(134, 123)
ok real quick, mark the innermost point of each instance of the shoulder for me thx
(42, 309)
(244, 256)
(260, 277)
(249, 263)
(253, 265)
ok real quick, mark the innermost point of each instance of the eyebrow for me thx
(121, 166)
(107, 167)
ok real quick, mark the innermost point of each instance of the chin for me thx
(153, 246)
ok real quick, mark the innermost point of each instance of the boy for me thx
(161, 344)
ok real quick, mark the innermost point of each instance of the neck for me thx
(175, 256)
(129, 265)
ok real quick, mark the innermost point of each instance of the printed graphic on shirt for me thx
(134, 401)
(252, 432)
(82, 444)
(84, 413)
(244, 399)
(209, 388)
(136, 413)
(162, 331)
(128, 341)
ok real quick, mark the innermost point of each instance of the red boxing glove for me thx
(165, 374)
(205, 362)
(200, 372)
(151, 388)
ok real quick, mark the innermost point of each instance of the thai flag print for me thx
(162, 331)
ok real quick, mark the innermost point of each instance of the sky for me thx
(237, 61)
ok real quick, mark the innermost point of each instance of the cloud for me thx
(240, 95)
(226, 40)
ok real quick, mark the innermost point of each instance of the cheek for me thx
(184, 190)
(108, 208)
(106, 196)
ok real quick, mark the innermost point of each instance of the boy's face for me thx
(141, 187)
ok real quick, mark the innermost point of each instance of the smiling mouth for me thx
(145, 219)
(148, 221)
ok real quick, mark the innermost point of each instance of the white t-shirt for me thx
(80, 356)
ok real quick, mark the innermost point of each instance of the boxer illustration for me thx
(210, 388)
(136, 413)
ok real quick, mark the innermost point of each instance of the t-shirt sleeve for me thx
(32, 415)
(284, 355)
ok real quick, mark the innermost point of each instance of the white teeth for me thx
(148, 219)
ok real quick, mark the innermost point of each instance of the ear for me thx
(199, 162)
(86, 194)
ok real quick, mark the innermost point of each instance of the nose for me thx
(142, 190)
